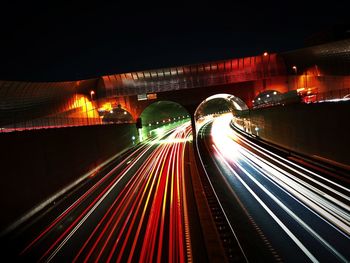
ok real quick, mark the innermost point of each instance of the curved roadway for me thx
(135, 211)
(279, 210)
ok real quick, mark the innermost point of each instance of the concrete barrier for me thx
(38, 163)
(318, 130)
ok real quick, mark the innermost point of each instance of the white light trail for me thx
(268, 210)
(323, 197)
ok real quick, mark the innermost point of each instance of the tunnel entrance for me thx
(268, 98)
(161, 116)
(116, 115)
(216, 105)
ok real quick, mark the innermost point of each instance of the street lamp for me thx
(92, 93)
(295, 69)
(257, 131)
(265, 64)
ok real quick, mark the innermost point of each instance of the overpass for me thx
(324, 69)
(187, 85)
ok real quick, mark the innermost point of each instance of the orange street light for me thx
(92, 93)
(296, 73)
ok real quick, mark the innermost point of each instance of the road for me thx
(136, 210)
(278, 209)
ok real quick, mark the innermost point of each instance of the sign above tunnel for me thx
(149, 96)
(152, 96)
(142, 97)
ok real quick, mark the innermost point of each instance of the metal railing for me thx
(332, 95)
(55, 122)
(308, 97)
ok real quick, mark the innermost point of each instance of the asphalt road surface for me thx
(278, 209)
(134, 210)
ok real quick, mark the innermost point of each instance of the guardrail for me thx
(55, 122)
(332, 95)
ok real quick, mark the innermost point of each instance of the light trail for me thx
(278, 221)
(278, 159)
(146, 220)
(333, 209)
(296, 198)
(139, 151)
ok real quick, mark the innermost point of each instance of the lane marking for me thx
(267, 209)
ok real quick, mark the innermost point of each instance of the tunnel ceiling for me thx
(219, 103)
(162, 110)
(117, 114)
(214, 106)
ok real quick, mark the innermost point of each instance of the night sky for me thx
(68, 42)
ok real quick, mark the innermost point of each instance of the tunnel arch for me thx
(267, 97)
(231, 102)
(160, 116)
(234, 103)
(117, 114)
(163, 111)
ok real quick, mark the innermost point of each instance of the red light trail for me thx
(137, 211)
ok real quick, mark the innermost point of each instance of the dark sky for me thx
(71, 41)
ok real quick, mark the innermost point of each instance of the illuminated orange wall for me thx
(128, 103)
(321, 83)
(279, 84)
(79, 106)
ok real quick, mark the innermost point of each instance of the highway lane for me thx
(136, 212)
(279, 210)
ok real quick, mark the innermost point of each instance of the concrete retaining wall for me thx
(36, 164)
(320, 130)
